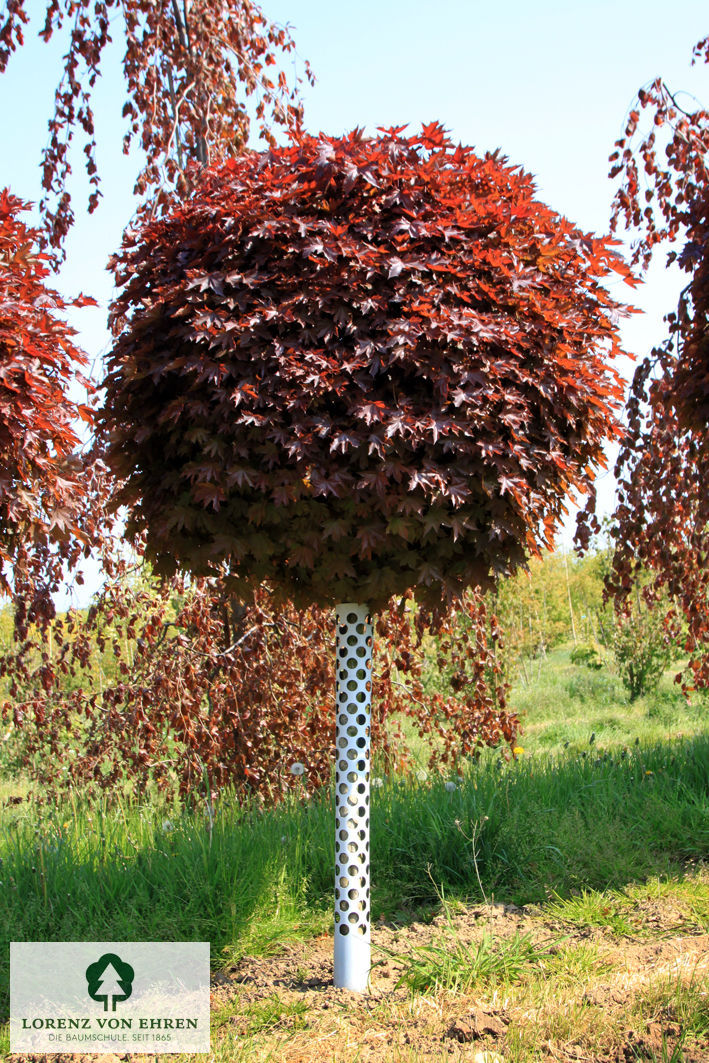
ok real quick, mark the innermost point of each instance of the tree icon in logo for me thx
(110, 980)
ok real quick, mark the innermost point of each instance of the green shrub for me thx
(587, 656)
(642, 650)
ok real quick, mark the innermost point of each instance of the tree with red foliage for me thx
(185, 66)
(661, 523)
(42, 519)
(358, 367)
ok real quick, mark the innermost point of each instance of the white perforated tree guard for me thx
(352, 739)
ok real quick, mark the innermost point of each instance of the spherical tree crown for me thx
(353, 366)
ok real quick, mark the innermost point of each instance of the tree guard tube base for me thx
(352, 743)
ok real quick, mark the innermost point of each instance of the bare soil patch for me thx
(285, 1007)
(390, 1023)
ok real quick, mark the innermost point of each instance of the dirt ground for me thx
(619, 1004)
(441, 1026)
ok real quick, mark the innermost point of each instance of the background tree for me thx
(189, 67)
(556, 598)
(178, 685)
(642, 648)
(662, 515)
(43, 520)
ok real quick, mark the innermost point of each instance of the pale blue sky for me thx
(550, 83)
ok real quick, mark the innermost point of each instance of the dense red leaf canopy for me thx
(38, 361)
(356, 366)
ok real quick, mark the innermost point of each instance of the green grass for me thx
(592, 908)
(573, 962)
(566, 708)
(273, 1014)
(685, 1000)
(462, 968)
(592, 828)
(622, 910)
(564, 704)
(528, 830)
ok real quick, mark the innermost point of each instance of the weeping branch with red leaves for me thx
(661, 523)
(43, 520)
(181, 685)
(190, 68)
